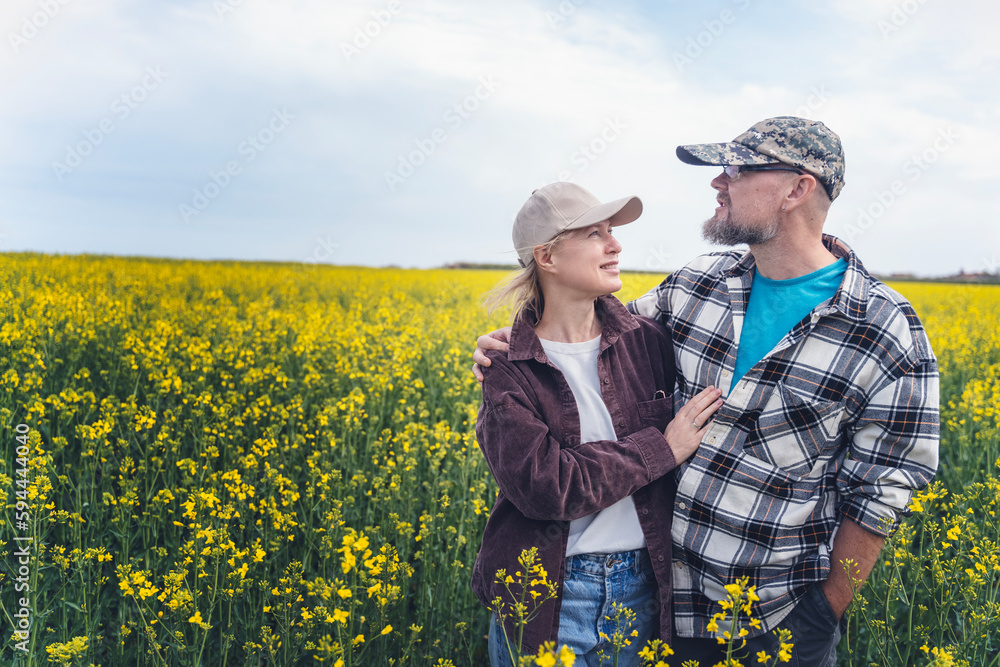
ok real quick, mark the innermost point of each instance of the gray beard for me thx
(733, 232)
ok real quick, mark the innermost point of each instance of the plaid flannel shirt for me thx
(840, 419)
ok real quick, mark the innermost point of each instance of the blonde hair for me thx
(521, 290)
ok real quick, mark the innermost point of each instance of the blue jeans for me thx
(595, 582)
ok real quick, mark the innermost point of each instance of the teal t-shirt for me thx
(776, 306)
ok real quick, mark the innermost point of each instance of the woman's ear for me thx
(543, 257)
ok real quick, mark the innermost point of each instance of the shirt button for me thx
(726, 374)
(645, 510)
(621, 423)
(683, 506)
(711, 440)
(606, 380)
(679, 565)
(660, 558)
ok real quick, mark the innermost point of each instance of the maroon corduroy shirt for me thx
(529, 431)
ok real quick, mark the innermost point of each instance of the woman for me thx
(576, 428)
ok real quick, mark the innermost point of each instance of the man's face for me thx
(748, 210)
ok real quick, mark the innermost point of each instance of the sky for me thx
(408, 133)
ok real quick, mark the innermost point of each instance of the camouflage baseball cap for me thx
(807, 144)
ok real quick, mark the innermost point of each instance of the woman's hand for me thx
(687, 428)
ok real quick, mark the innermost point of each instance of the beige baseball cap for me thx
(558, 207)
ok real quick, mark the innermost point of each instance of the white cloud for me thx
(558, 90)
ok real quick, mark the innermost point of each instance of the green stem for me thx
(211, 608)
(229, 624)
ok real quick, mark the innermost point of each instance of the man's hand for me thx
(494, 340)
(858, 545)
(687, 428)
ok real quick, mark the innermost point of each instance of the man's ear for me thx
(805, 185)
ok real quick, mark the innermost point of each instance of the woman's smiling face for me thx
(586, 260)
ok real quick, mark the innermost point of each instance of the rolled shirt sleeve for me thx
(894, 450)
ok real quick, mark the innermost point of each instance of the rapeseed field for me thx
(261, 464)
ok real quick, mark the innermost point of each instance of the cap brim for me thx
(618, 212)
(718, 155)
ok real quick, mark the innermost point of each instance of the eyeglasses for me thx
(733, 171)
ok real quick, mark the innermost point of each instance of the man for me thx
(831, 413)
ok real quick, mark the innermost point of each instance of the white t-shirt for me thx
(615, 528)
